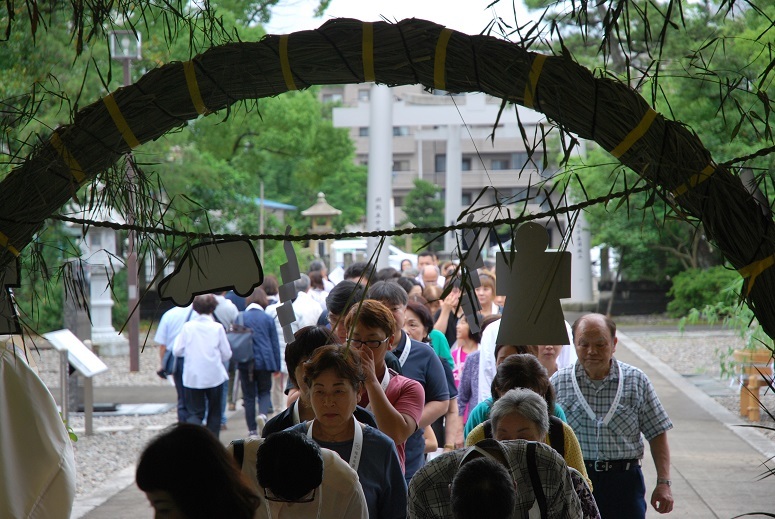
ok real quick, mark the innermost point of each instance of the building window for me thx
(466, 199)
(466, 164)
(400, 165)
(398, 201)
(363, 94)
(499, 164)
(520, 159)
(440, 163)
(332, 98)
(400, 131)
(538, 158)
(518, 195)
(363, 131)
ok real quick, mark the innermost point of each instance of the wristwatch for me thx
(663, 481)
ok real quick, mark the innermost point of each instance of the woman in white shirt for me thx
(204, 344)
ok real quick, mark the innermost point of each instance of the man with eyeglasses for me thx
(396, 401)
(295, 478)
(418, 362)
(339, 301)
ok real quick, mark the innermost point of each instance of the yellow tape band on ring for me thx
(285, 64)
(532, 82)
(120, 122)
(368, 51)
(193, 87)
(4, 243)
(637, 132)
(440, 63)
(702, 176)
(752, 271)
(75, 169)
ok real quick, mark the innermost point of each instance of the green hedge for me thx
(697, 288)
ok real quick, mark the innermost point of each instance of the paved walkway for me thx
(715, 465)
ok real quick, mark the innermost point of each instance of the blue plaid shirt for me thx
(639, 411)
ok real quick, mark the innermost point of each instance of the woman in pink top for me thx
(467, 343)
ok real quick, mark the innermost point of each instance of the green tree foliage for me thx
(707, 69)
(652, 243)
(40, 296)
(424, 207)
(204, 178)
(719, 83)
(288, 144)
(698, 288)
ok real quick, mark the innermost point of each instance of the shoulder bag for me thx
(241, 340)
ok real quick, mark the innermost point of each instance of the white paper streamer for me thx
(289, 272)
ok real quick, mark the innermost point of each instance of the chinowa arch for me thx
(663, 152)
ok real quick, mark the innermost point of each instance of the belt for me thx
(611, 465)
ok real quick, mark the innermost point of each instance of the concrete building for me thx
(430, 128)
(453, 142)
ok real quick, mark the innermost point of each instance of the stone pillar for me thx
(581, 266)
(380, 180)
(453, 191)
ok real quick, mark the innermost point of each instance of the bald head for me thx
(429, 274)
(598, 318)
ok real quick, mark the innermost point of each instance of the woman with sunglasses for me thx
(334, 377)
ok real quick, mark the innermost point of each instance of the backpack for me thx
(241, 340)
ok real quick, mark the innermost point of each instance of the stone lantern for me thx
(321, 221)
(99, 251)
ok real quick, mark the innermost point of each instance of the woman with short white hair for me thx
(520, 414)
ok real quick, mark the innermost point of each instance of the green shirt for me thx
(440, 345)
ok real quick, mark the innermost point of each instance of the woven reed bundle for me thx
(663, 152)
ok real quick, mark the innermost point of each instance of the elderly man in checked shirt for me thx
(609, 404)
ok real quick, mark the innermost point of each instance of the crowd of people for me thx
(391, 402)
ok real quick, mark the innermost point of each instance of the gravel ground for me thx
(116, 444)
(119, 440)
(700, 353)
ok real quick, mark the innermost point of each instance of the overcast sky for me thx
(468, 16)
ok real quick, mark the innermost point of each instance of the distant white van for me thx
(356, 249)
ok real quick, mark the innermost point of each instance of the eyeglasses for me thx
(357, 343)
(271, 496)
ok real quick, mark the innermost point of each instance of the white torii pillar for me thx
(380, 180)
(581, 264)
(453, 192)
